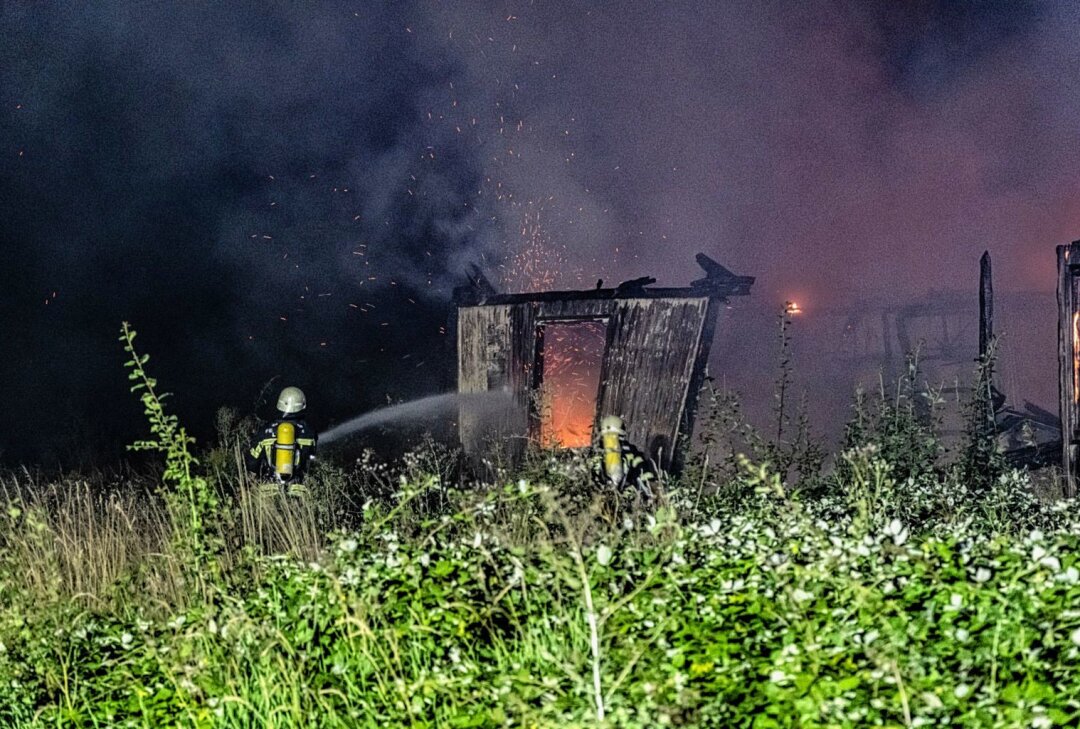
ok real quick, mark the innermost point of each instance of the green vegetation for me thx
(890, 589)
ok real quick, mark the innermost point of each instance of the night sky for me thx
(286, 193)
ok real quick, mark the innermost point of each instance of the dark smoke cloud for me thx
(259, 187)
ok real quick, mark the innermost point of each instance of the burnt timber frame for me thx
(1068, 298)
(654, 362)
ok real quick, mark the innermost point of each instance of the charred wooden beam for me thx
(719, 283)
(476, 290)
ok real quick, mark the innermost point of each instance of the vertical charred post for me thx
(985, 396)
(1068, 258)
(986, 306)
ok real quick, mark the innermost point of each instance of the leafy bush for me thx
(896, 594)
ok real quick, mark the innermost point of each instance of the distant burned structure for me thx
(565, 358)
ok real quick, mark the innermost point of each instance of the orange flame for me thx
(571, 380)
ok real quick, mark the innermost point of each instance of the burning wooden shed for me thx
(563, 359)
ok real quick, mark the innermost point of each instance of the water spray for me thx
(422, 409)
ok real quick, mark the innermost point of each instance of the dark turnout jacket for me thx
(261, 454)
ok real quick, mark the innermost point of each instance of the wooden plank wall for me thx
(522, 362)
(1068, 351)
(698, 373)
(653, 345)
(483, 336)
(495, 356)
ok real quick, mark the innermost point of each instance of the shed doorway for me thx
(570, 356)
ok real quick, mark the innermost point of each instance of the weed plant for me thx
(892, 593)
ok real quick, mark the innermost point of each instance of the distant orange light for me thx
(791, 307)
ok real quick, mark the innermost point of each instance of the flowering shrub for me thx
(763, 611)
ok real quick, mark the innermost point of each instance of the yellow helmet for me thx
(291, 401)
(612, 424)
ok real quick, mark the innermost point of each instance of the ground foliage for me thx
(881, 591)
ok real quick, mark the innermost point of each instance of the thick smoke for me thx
(290, 191)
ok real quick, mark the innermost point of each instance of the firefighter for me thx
(282, 451)
(621, 463)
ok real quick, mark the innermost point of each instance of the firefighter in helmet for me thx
(282, 451)
(621, 463)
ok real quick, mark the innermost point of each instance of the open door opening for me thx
(570, 355)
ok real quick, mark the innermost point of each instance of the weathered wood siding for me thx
(495, 355)
(649, 364)
(1068, 349)
(699, 371)
(522, 381)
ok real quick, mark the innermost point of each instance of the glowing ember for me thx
(573, 353)
(791, 307)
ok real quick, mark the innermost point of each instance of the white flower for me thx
(778, 676)
(347, 546)
(603, 555)
(956, 601)
(982, 574)
(125, 639)
(1075, 636)
(1037, 553)
(477, 540)
(801, 595)
(932, 700)
(897, 531)
(961, 691)
(1042, 721)
(711, 529)
(1070, 576)
(1051, 563)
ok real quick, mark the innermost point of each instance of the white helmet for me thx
(612, 424)
(291, 401)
